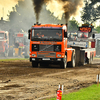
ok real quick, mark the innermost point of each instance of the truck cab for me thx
(4, 41)
(21, 44)
(48, 44)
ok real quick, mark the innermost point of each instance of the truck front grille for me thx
(46, 48)
(46, 55)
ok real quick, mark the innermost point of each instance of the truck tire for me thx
(64, 63)
(34, 64)
(72, 63)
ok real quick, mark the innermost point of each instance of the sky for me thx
(6, 6)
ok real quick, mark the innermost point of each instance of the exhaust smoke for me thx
(66, 7)
(58, 7)
(37, 7)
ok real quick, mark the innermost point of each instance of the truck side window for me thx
(65, 34)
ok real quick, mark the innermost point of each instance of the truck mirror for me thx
(29, 34)
(65, 34)
(93, 36)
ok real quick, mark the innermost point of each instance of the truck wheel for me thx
(64, 62)
(72, 63)
(34, 64)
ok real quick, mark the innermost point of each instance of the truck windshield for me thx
(73, 36)
(1, 35)
(83, 34)
(46, 35)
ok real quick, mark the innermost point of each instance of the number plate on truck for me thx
(45, 58)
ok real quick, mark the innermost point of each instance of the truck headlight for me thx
(34, 55)
(58, 55)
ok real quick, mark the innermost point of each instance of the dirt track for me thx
(19, 81)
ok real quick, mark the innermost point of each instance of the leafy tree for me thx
(22, 17)
(72, 25)
(93, 2)
(90, 13)
(86, 16)
(97, 29)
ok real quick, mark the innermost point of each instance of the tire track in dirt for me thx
(41, 83)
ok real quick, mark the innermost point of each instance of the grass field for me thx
(13, 59)
(90, 93)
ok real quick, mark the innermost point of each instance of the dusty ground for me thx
(19, 81)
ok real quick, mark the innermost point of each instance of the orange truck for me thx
(20, 44)
(11, 45)
(4, 43)
(3, 39)
(48, 44)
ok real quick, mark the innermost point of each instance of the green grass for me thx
(14, 59)
(90, 93)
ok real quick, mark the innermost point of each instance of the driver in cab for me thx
(40, 35)
(58, 34)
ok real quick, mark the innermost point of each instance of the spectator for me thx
(16, 44)
(40, 35)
